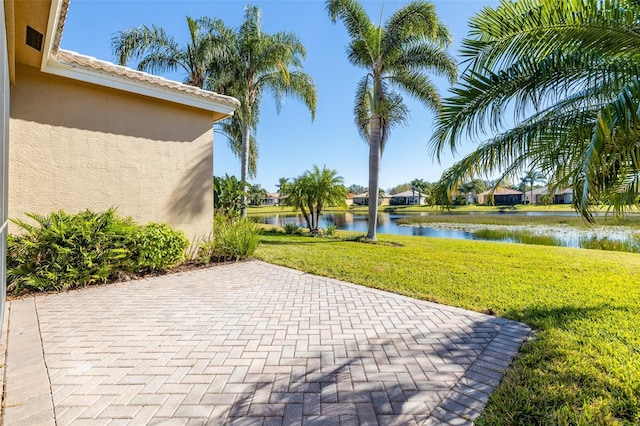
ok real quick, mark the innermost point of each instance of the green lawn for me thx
(584, 365)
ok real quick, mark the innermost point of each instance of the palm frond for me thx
(418, 20)
(358, 25)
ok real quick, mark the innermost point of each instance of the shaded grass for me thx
(584, 365)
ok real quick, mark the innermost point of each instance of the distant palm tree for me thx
(248, 62)
(570, 72)
(532, 176)
(421, 186)
(313, 191)
(282, 185)
(474, 186)
(395, 55)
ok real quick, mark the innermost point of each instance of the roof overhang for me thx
(79, 67)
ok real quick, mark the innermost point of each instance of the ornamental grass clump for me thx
(233, 239)
(292, 229)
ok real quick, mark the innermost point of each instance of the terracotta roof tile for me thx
(90, 63)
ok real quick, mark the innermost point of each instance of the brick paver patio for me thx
(249, 343)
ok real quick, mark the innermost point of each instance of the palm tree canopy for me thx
(568, 73)
(159, 53)
(396, 56)
(250, 62)
(314, 190)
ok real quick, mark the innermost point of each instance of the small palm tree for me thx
(313, 191)
(395, 55)
(569, 72)
(247, 63)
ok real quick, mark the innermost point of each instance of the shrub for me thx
(63, 251)
(232, 240)
(158, 246)
(292, 228)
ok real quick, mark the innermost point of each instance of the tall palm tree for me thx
(569, 72)
(396, 56)
(249, 62)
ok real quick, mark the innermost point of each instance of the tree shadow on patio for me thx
(366, 381)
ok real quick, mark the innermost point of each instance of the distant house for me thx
(464, 198)
(561, 196)
(349, 200)
(501, 197)
(363, 199)
(270, 200)
(564, 196)
(538, 194)
(408, 198)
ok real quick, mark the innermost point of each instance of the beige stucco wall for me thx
(78, 146)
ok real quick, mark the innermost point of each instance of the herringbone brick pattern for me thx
(252, 343)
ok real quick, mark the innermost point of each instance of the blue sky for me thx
(290, 142)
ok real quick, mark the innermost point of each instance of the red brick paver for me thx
(249, 343)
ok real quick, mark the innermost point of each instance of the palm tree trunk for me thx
(305, 215)
(374, 173)
(531, 199)
(244, 172)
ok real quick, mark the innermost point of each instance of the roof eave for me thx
(220, 110)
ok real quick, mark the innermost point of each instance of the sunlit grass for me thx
(584, 365)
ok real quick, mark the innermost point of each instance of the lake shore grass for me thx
(583, 367)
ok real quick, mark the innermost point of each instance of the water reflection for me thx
(359, 223)
(387, 224)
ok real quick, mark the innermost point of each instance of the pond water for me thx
(387, 224)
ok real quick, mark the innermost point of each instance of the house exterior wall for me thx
(4, 157)
(77, 146)
(406, 200)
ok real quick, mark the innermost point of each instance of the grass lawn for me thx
(583, 368)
